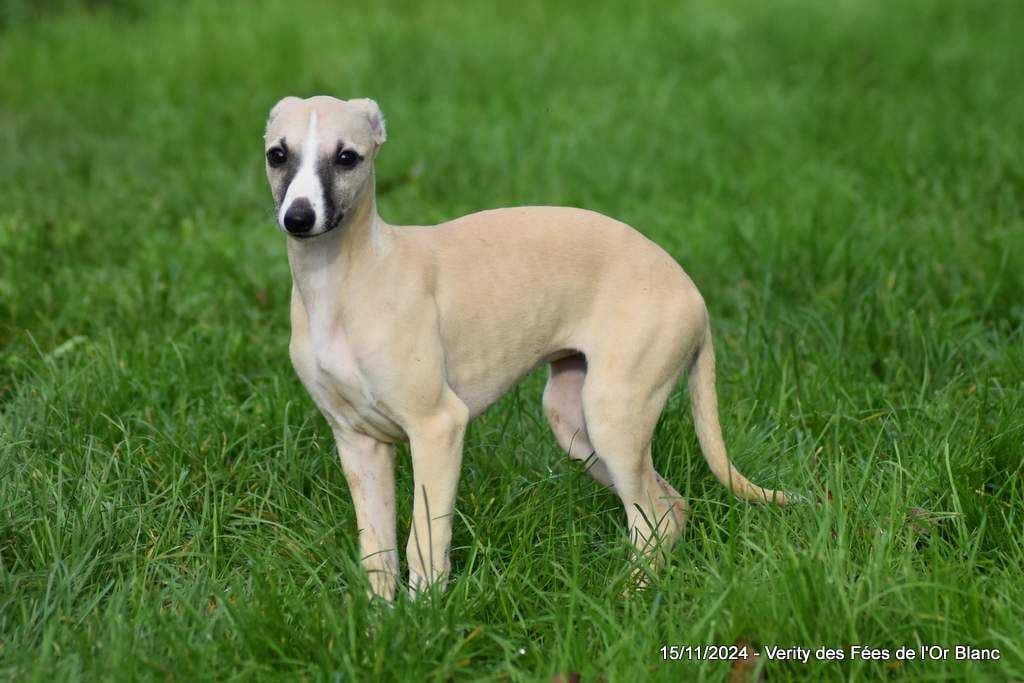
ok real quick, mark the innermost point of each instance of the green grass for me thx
(844, 181)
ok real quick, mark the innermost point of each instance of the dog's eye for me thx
(346, 158)
(276, 156)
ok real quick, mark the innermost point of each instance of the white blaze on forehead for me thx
(306, 182)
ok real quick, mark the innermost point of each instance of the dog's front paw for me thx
(419, 584)
(383, 584)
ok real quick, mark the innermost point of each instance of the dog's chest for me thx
(331, 374)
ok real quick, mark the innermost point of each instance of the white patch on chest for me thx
(336, 369)
(329, 370)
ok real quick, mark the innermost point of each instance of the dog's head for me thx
(319, 154)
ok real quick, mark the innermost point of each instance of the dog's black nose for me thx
(299, 217)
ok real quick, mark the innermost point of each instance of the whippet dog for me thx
(408, 333)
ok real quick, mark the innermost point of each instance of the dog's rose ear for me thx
(279, 107)
(375, 117)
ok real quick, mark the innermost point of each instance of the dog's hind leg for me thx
(620, 419)
(563, 406)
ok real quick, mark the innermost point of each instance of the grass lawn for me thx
(844, 181)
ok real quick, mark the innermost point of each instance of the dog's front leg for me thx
(369, 467)
(436, 444)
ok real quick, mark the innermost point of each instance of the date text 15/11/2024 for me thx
(830, 654)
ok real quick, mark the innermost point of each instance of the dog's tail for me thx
(704, 400)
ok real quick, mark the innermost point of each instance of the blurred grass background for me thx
(844, 182)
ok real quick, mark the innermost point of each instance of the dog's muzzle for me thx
(300, 217)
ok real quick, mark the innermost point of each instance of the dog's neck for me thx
(319, 264)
